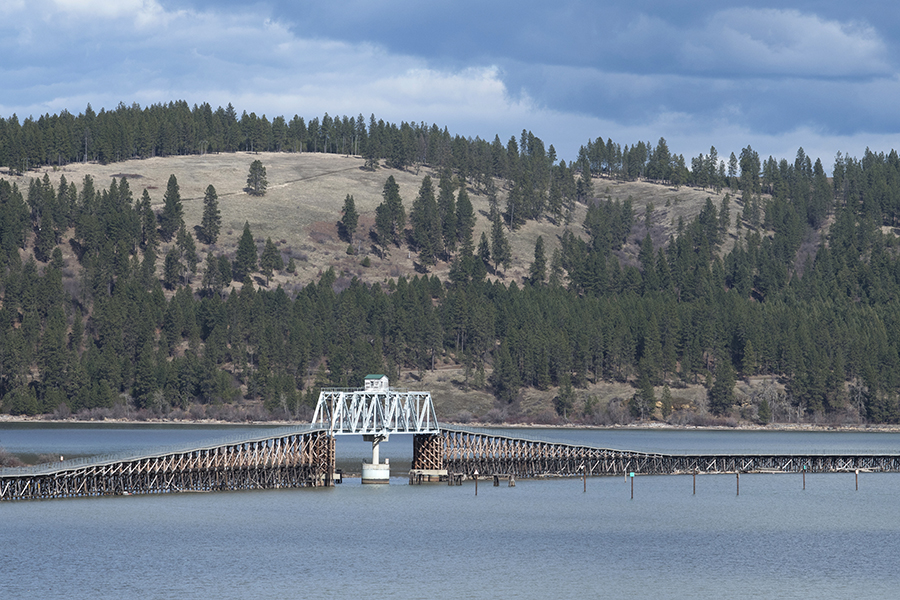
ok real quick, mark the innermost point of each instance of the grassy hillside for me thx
(306, 192)
(300, 210)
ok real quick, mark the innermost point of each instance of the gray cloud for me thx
(708, 73)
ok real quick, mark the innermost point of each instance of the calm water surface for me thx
(541, 539)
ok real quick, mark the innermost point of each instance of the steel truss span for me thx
(375, 412)
(286, 461)
(465, 452)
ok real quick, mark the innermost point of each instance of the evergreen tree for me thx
(644, 401)
(484, 249)
(556, 268)
(565, 399)
(538, 270)
(500, 252)
(465, 218)
(256, 179)
(149, 233)
(390, 217)
(349, 220)
(585, 188)
(505, 378)
(270, 261)
(666, 402)
(246, 258)
(648, 264)
(172, 216)
(172, 269)
(188, 249)
(226, 272)
(447, 211)
(721, 394)
(426, 225)
(145, 376)
(211, 221)
(212, 279)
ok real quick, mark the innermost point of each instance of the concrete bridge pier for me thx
(376, 472)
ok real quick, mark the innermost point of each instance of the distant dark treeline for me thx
(176, 128)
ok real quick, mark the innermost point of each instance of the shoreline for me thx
(863, 428)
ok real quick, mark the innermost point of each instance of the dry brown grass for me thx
(306, 193)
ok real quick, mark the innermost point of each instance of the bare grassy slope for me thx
(306, 193)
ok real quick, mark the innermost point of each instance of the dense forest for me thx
(809, 292)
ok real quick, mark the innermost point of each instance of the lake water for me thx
(541, 539)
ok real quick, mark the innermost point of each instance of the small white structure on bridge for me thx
(375, 411)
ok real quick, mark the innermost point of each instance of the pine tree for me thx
(426, 232)
(173, 269)
(648, 264)
(256, 179)
(484, 250)
(246, 258)
(188, 249)
(537, 272)
(225, 270)
(145, 376)
(556, 268)
(465, 219)
(447, 211)
(585, 188)
(172, 216)
(644, 401)
(270, 261)
(500, 253)
(565, 399)
(149, 233)
(350, 219)
(721, 394)
(212, 217)
(390, 217)
(212, 279)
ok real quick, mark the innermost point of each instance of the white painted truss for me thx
(378, 412)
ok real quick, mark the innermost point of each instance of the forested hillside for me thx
(789, 274)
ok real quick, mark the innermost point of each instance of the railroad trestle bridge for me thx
(465, 450)
(285, 458)
(304, 456)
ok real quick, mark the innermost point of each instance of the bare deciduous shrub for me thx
(496, 415)
(9, 460)
(462, 416)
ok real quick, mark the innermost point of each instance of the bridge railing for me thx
(128, 455)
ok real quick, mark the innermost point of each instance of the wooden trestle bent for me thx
(286, 461)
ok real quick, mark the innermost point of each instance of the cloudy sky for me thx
(823, 75)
